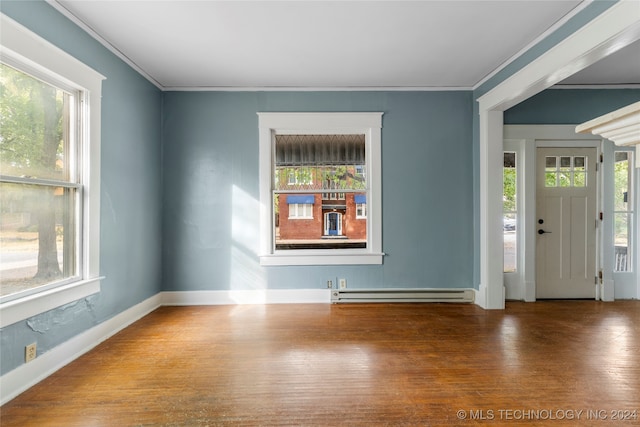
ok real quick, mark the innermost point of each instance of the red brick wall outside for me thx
(297, 229)
(353, 228)
(300, 228)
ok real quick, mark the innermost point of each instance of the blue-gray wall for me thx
(569, 106)
(210, 149)
(131, 190)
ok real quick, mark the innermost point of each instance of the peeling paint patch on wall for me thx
(61, 316)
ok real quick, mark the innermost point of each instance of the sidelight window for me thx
(510, 212)
(623, 210)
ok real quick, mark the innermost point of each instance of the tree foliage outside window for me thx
(39, 192)
(510, 211)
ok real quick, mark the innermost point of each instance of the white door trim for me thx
(614, 29)
(529, 138)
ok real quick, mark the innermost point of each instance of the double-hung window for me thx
(49, 175)
(321, 217)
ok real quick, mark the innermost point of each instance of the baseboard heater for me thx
(401, 295)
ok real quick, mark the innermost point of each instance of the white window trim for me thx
(21, 46)
(363, 210)
(369, 124)
(301, 211)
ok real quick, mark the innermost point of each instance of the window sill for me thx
(321, 259)
(31, 305)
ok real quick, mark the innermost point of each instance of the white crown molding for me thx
(316, 88)
(603, 86)
(108, 45)
(80, 23)
(535, 41)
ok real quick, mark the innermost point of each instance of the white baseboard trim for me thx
(479, 297)
(239, 297)
(27, 375)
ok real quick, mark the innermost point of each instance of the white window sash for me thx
(22, 48)
(368, 124)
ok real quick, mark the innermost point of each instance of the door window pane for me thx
(565, 171)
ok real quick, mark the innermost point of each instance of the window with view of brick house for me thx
(323, 191)
(316, 183)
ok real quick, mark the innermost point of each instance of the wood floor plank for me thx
(362, 364)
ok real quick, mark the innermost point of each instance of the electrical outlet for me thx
(343, 283)
(30, 352)
(329, 284)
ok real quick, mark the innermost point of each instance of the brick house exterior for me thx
(351, 226)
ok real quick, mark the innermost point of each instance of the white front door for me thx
(566, 222)
(333, 224)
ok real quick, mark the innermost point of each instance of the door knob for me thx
(543, 232)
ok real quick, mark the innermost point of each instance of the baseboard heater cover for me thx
(402, 295)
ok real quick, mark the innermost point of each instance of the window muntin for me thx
(510, 212)
(301, 210)
(361, 210)
(40, 219)
(565, 171)
(623, 211)
(369, 251)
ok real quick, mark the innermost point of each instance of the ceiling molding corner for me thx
(85, 27)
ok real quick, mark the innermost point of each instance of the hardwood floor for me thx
(375, 364)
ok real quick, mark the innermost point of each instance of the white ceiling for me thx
(327, 44)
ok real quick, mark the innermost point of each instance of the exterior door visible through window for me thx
(333, 224)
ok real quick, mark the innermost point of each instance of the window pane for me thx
(622, 255)
(37, 236)
(579, 179)
(509, 183)
(509, 206)
(550, 179)
(550, 163)
(320, 214)
(621, 181)
(316, 162)
(510, 243)
(565, 163)
(34, 127)
(564, 179)
(312, 221)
